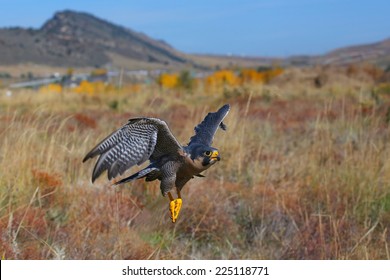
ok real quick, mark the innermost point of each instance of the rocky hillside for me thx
(80, 39)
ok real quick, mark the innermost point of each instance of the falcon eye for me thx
(208, 153)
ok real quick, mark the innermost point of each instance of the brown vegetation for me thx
(305, 173)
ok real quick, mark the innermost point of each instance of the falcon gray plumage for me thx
(143, 139)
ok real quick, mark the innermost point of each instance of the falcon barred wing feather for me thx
(134, 143)
(204, 132)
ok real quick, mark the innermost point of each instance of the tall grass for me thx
(305, 174)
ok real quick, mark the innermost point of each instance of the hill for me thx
(376, 53)
(76, 39)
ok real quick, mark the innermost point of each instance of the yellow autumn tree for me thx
(168, 81)
(255, 76)
(219, 79)
(92, 88)
(51, 88)
(85, 87)
(251, 76)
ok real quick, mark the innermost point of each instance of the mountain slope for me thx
(80, 39)
(376, 53)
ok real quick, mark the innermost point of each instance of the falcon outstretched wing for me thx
(134, 143)
(204, 132)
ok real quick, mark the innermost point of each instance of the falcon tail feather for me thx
(139, 175)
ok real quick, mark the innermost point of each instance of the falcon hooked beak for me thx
(215, 156)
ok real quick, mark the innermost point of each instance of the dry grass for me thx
(305, 174)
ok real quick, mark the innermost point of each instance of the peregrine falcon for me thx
(143, 139)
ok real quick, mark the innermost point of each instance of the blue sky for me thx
(242, 27)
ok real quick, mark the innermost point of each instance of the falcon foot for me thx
(174, 208)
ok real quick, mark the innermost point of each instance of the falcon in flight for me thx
(143, 139)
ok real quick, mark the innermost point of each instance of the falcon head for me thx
(210, 156)
(204, 155)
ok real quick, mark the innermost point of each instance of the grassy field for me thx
(305, 174)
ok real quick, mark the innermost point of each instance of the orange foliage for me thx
(90, 88)
(56, 88)
(221, 78)
(251, 76)
(84, 87)
(168, 80)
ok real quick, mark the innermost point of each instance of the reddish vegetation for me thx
(85, 121)
(47, 180)
(303, 175)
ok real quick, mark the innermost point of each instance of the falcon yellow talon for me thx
(174, 208)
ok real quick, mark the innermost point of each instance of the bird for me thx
(173, 164)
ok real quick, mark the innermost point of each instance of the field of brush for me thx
(305, 173)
